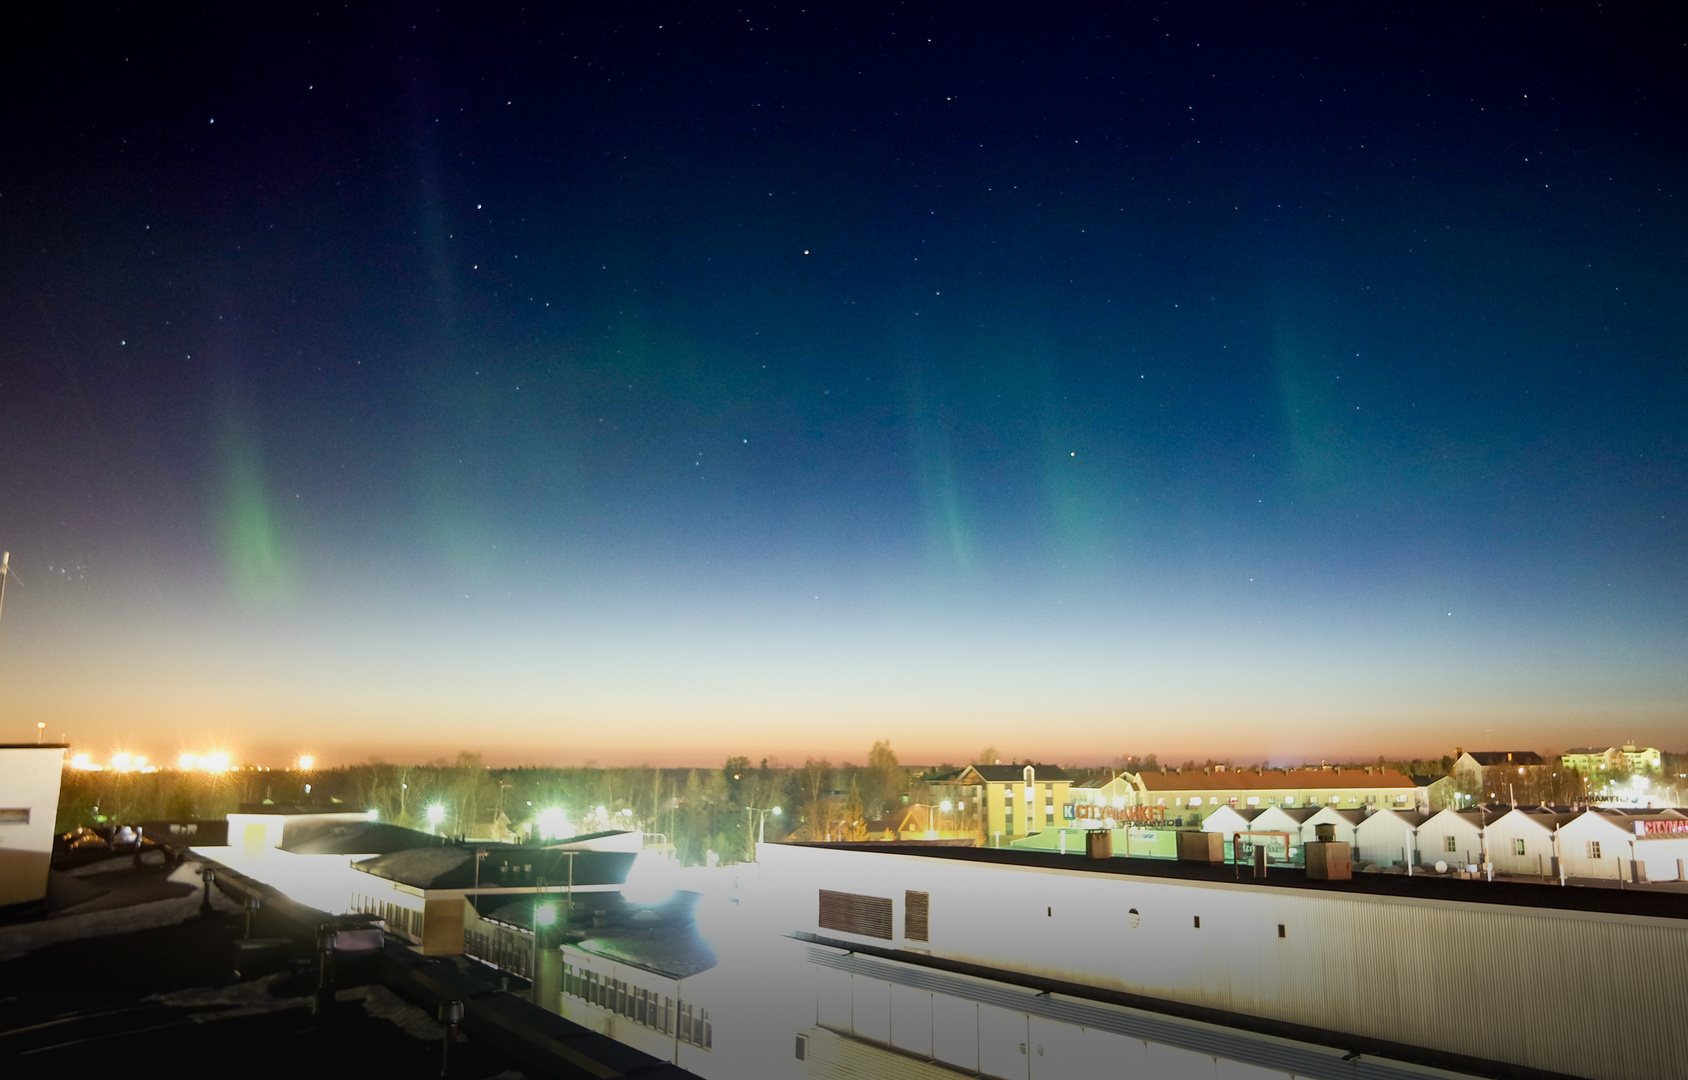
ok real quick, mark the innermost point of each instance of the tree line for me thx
(696, 812)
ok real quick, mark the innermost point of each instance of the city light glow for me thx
(306, 761)
(553, 824)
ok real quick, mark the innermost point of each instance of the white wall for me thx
(29, 789)
(1537, 835)
(1433, 836)
(1347, 962)
(1385, 838)
(1327, 816)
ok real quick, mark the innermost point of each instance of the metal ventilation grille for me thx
(869, 916)
(917, 907)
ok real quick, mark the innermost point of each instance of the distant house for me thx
(1389, 837)
(1495, 775)
(1520, 842)
(1002, 801)
(1608, 844)
(1629, 758)
(1203, 790)
(1343, 821)
(1285, 819)
(1433, 794)
(1452, 837)
(919, 822)
(1230, 819)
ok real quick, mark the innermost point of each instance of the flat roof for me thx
(1633, 901)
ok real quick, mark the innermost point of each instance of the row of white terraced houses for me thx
(1601, 843)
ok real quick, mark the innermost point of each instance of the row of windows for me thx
(402, 919)
(645, 1007)
(1288, 800)
(1451, 843)
(504, 949)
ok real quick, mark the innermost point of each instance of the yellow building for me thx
(999, 803)
(1628, 758)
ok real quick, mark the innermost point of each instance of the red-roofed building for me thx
(1207, 790)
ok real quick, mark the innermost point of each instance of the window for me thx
(14, 816)
(1289, 800)
(1178, 801)
(1254, 800)
(1518, 846)
(802, 1047)
(1334, 799)
(1449, 844)
(1594, 849)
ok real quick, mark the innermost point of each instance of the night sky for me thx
(658, 382)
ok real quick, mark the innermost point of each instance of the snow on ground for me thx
(21, 938)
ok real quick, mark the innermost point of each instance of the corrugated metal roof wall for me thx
(1563, 991)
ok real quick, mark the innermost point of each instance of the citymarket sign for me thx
(1666, 827)
(1139, 815)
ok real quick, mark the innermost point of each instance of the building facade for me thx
(1202, 792)
(1000, 802)
(1628, 758)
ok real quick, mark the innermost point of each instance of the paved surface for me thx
(164, 999)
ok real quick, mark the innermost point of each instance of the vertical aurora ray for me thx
(256, 562)
(1319, 446)
(949, 540)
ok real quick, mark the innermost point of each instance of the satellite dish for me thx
(1441, 866)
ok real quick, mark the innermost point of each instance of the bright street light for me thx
(554, 824)
(306, 762)
(436, 814)
(545, 914)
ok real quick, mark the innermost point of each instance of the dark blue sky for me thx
(663, 384)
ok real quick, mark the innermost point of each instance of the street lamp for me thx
(436, 814)
(762, 820)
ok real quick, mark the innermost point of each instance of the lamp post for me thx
(762, 819)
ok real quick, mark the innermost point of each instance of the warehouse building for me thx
(1191, 972)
